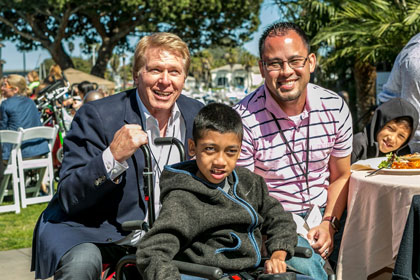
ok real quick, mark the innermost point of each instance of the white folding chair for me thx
(10, 171)
(44, 163)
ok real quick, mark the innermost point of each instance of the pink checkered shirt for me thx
(265, 153)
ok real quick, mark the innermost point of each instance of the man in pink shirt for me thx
(298, 136)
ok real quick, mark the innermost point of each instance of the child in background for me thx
(214, 213)
(392, 127)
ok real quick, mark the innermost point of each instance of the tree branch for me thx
(17, 31)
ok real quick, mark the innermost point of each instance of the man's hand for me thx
(322, 237)
(126, 141)
(276, 264)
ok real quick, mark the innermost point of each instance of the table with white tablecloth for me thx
(377, 210)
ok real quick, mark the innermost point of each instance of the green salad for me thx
(389, 160)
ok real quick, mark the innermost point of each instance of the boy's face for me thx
(392, 136)
(216, 154)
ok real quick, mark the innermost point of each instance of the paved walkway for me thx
(15, 264)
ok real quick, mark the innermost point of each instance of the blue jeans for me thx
(314, 266)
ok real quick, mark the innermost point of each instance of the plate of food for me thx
(406, 164)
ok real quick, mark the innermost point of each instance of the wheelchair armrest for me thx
(209, 272)
(135, 225)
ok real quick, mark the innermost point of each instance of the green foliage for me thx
(81, 64)
(17, 229)
(372, 30)
(47, 23)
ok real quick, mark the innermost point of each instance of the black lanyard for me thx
(306, 170)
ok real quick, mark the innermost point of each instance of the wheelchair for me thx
(190, 269)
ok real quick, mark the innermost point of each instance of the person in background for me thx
(17, 111)
(390, 130)
(82, 89)
(404, 82)
(100, 180)
(93, 95)
(105, 91)
(54, 75)
(298, 136)
(34, 82)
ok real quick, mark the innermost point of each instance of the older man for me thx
(101, 175)
(298, 136)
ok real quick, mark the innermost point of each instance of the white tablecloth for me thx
(377, 209)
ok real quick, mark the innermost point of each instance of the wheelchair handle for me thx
(172, 141)
(135, 225)
(208, 272)
(303, 252)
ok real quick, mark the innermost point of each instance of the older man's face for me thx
(160, 81)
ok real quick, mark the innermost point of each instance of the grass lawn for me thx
(17, 229)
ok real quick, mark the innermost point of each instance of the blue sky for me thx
(14, 59)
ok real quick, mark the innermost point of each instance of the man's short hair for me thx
(217, 117)
(281, 29)
(93, 95)
(163, 40)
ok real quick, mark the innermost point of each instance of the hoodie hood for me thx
(395, 108)
(174, 174)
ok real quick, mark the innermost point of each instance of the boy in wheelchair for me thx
(213, 213)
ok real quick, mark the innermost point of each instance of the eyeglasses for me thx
(276, 65)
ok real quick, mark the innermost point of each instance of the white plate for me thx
(400, 171)
(373, 163)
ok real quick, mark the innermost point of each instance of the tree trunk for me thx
(104, 55)
(60, 56)
(365, 78)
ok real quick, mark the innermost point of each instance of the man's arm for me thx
(336, 203)
(84, 182)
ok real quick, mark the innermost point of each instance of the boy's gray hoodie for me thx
(201, 223)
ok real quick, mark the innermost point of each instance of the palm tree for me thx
(248, 61)
(369, 32)
(231, 57)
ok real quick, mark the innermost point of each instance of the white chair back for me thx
(11, 170)
(45, 164)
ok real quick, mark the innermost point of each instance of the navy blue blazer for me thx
(20, 111)
(82, 211)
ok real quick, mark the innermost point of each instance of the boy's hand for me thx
(276, 264)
